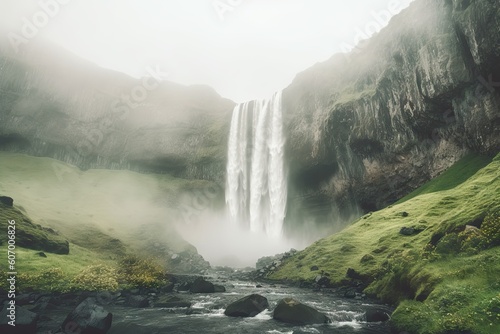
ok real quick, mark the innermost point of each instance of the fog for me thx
(244, 49)
(223, 242)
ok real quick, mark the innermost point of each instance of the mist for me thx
(262, 43)
(166, 70)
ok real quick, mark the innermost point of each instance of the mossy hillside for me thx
(28, 234)
(102, 263)
(413, 272)
(82, 270)
(104, 214)
(117, 203)
(452, 177)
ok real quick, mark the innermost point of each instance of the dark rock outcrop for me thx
(137, 301)
(219, 288)
(376, 316)
(88, 318)
(6, 200)
(268, 264)
(200, 285)
(248, 306)
(291, 311)
(365, 128)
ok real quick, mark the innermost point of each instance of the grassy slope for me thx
(455, 175)
(103, 213)
(463, 290)
(119, 203)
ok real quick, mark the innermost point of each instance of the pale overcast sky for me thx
(245, 49)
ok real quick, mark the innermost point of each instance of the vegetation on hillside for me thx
(442, 271)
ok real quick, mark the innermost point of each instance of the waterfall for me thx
(256, 187)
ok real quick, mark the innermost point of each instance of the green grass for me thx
(452, 177)
(104, 214)
(84, 205)
(409, 272)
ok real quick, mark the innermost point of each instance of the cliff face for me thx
(366, 128)
(362, 129)
(52, 104)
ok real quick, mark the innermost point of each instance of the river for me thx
(207, 313)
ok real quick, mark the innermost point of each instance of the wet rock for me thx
(248, 306)
(219, 288)
(43, 303)
(6, 200)
(25, 320)
(376, 316)
(169, 287)
(200, 285)
(351, 293)
(137, 301)
(404, 214)
(291, 311)
(322, 280)
(184, 286)
(88, 318)
(314, 268)
(105, 297)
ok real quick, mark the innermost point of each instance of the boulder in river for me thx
(200, 285)
(376, 316)
(137, 301)
(88, 318)
(294, 312)
(248, 306)
(219, 288)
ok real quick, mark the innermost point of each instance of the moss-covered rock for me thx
(30, 235)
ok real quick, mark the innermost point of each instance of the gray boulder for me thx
(137, 301)
(294, 312)
(248, 306)
(200, 285)
(88, 318)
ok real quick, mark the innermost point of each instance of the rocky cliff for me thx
(54, 104)
(368, 127)
(363, 129)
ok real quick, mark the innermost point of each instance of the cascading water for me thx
(256, 187)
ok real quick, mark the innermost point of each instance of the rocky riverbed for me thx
(193, 304)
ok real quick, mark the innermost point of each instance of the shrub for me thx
(96, 278)
(141, 272)
(449, 244)
(472, 241)
(52, 279)
(491, 229)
